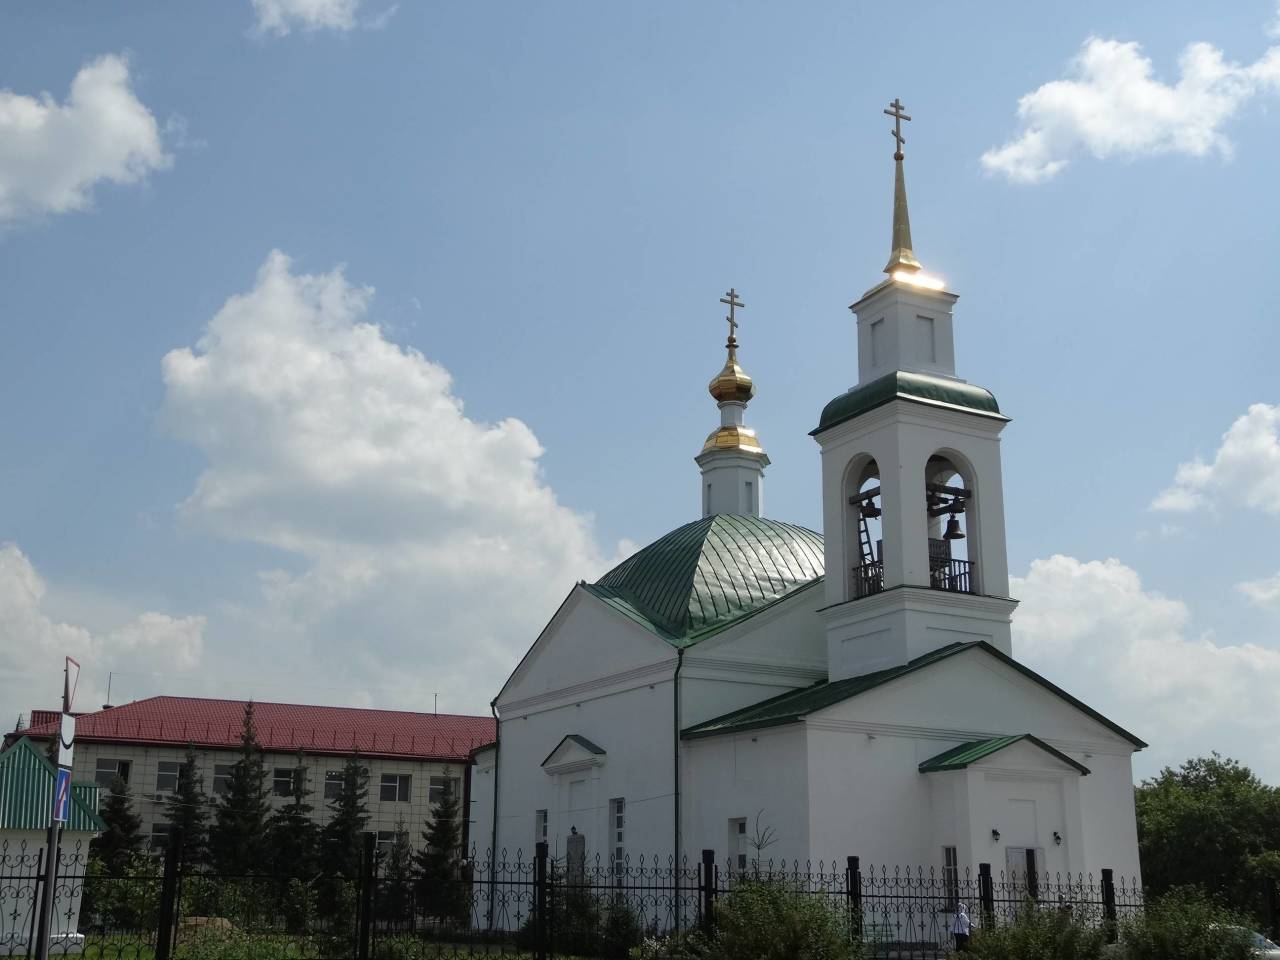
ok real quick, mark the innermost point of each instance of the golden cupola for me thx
(732, 459)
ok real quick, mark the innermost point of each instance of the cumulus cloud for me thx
(53, 154)
(419, 547)
(33, 642)
(1133, 654)
(1113, 105)
(1245, 469)
(1264, 592)
(281, 17)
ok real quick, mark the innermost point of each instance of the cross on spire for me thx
(898, 117)
(731, 299)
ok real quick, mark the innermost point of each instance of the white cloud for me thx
(33, 642)
(1264, 592)
(1112, 105)
(426, 548)
(281, 17)
(1245, 469)
(53, 154)
(1133, 654)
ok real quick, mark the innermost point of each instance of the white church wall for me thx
(480, 814)
(760, 774)
(1109, 822)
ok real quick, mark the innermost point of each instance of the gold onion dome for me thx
(733, 438)
(732, 382)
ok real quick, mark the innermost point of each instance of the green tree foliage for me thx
(395, 892)
(1185, 924)
(116, 846)
(237, 839)
(1212, 824)
(442, 891)
(292, 836)
(1038, 934)
(342, 838)
(188, 812)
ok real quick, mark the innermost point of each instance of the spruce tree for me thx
(237, 840)
(292, 835)
(343, 835)
(396, 896)
(187, 810)
(121, 841)
(441, 890)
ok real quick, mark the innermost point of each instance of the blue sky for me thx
(546, 201)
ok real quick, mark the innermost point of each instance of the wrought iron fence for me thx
(535, 907)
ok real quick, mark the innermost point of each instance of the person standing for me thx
(960, 927)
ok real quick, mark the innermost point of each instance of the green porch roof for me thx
(957, 758)
(920, 387)
(706, 575)
(794, 705)
(26, 793)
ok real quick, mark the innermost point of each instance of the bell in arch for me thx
(953, 531)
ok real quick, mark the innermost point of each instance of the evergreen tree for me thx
(442, 892)
(237, 840)
(121, 841)
(292, 835)
(396, 897)
(187, 810)
(343, 835)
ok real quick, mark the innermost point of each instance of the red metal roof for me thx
(285, 727)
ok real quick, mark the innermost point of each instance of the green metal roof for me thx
(957, 758)
(910, 386)
(794, 705)
(26, 793)
(700, 578)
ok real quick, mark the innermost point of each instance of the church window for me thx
(951, 876)
(706, 500)
(395, 787)
(926, 345)
(864, 537)
(751, 497)
(738, 842)
(540, 826)
(617, 824)
(877, 342)
(949, 504)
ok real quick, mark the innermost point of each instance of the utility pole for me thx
(59, 809)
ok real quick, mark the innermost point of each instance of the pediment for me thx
(574, 752)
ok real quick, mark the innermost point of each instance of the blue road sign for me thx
(62, 795)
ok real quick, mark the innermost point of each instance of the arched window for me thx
(864, 542)
(951, 506)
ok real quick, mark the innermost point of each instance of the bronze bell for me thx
(953, 531)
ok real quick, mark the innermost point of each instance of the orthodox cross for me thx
(731, 298)
(898, 117)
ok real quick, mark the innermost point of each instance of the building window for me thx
(951, 876)
(160, 837)
(282, 781)
(877, 342)
(167, 776)
(617, 823)
(539, 826)
(386, 840)
(738, 842)
(107, 770)
(222, 777)
(394, 788)
(439, 785)
(332, 784)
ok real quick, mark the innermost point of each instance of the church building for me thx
(755, 688)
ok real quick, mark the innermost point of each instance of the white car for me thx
(1261, 945)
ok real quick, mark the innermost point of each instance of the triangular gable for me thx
(573, 752)
(976, 751)
(26, 792)
(794, 705)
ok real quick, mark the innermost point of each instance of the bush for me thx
(762, 920)
(1038, 933)
(686, 946)
(587, 925)
(1185, 924)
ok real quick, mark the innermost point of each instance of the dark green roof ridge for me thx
(921, 387)
(705, 575)
(958, 758)
(27, 781)
(794, 705)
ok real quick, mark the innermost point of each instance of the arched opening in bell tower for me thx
(864, 538)
(953, 529)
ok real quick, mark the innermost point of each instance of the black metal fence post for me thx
(853, 893)
(987, 894)
(1273, 909)
(366, 896)
(169, 895)
(541, 926)
(707, 901)
(1109, 902)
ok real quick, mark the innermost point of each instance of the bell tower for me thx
(913, 504)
